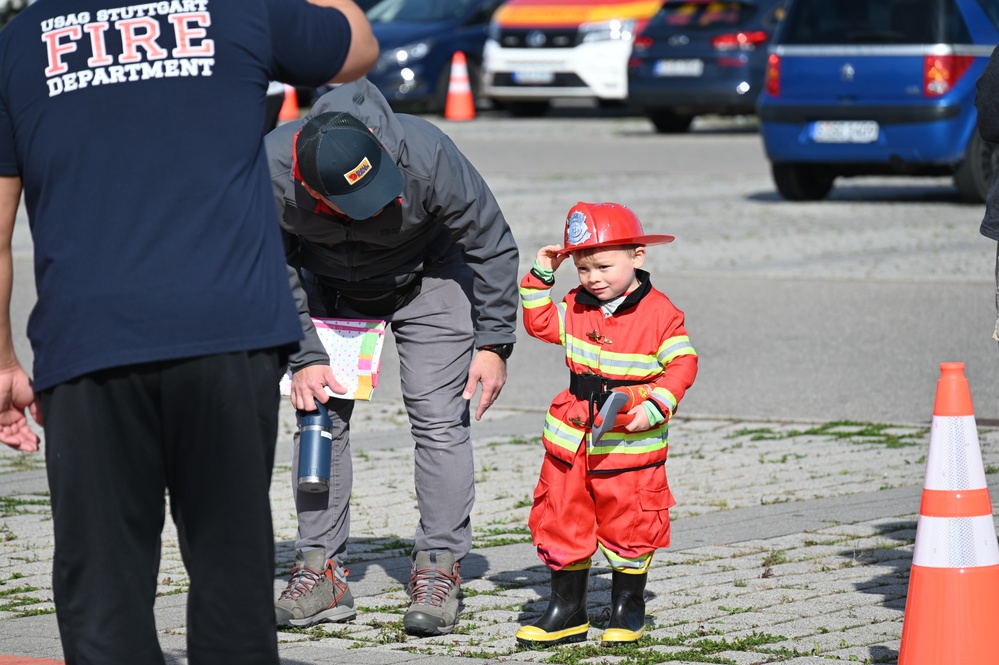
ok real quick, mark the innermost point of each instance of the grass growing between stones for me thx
(890, 436)
(18, 505)
(19, 601)
(22, 462)
(501, 535)
(517, 441)
(319, 632)
(694, 647)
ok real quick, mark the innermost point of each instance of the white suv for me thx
(537, 52)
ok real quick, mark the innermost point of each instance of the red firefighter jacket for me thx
(644, 340)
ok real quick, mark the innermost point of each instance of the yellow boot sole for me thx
(614, 636)
(536, 637)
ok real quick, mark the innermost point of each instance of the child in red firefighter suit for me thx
(620, 334)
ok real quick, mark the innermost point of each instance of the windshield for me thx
(874, 22)
(419, 11)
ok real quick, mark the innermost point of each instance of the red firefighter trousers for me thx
(625, 512)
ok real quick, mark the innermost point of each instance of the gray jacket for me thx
(987, 103)
(446, 207)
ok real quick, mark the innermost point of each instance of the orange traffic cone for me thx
(460, 105)
(289, 110)
(952, 608)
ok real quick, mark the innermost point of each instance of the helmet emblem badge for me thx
(576, 231)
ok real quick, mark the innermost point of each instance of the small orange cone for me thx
(289, 110)
(460, 105)
(952, 608)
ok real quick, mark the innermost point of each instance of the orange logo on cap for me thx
(358, 172)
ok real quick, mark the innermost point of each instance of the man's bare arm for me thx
(16, 394)
(10, 198)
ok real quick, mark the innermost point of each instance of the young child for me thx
(619, 334)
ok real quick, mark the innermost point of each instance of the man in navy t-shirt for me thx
(164, 315)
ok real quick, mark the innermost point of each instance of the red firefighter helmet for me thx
(592, 225)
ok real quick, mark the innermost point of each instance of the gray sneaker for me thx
(434, 587)
(316, 592)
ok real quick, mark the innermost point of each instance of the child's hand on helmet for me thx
(548, 259)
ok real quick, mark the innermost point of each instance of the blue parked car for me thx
(701, 56)
(418, 39)
(877, 87)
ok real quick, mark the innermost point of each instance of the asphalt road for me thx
(836, 310)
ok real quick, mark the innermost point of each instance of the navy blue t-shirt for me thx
(136, 132)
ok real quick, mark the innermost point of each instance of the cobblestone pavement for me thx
(835, 591)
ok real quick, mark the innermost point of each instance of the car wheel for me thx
(797, 182)
(527, 109)
(667, 122)
(973, 176)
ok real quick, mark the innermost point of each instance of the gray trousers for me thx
(433, 336)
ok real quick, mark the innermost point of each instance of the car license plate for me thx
(678, 67)
(533, 77)
(845, 131)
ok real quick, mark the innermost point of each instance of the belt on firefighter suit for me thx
(594, 388)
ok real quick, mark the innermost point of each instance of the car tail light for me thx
(941, 72)
(642, 43)
(773, 75)
(742, 41)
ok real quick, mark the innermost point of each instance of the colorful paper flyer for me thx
(355, 349)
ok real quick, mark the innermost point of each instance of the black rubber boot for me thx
(565, 620)
(627, 620)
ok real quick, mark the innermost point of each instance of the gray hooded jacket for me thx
(446, 206)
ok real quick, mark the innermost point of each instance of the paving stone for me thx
(841, 587)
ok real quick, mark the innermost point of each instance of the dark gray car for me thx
(696, 57)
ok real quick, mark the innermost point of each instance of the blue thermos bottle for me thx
(315, 448)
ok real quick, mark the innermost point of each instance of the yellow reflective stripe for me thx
(562, 434)
(580, 565)
(628, 443)
(623, 365)
(635, 566)
(528, 290)
(532, 298)
(532, 304)
(629, 364)
(617, 450)
(580, 352)
(587, 348)
(675, 346)
(560, 308)
(664, 398)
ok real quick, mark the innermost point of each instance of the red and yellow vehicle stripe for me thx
(562, 13)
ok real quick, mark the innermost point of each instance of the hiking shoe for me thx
(316, 592)
(434, 587)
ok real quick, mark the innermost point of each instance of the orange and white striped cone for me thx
(952, 608)
(460, 105)
(289, 109)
